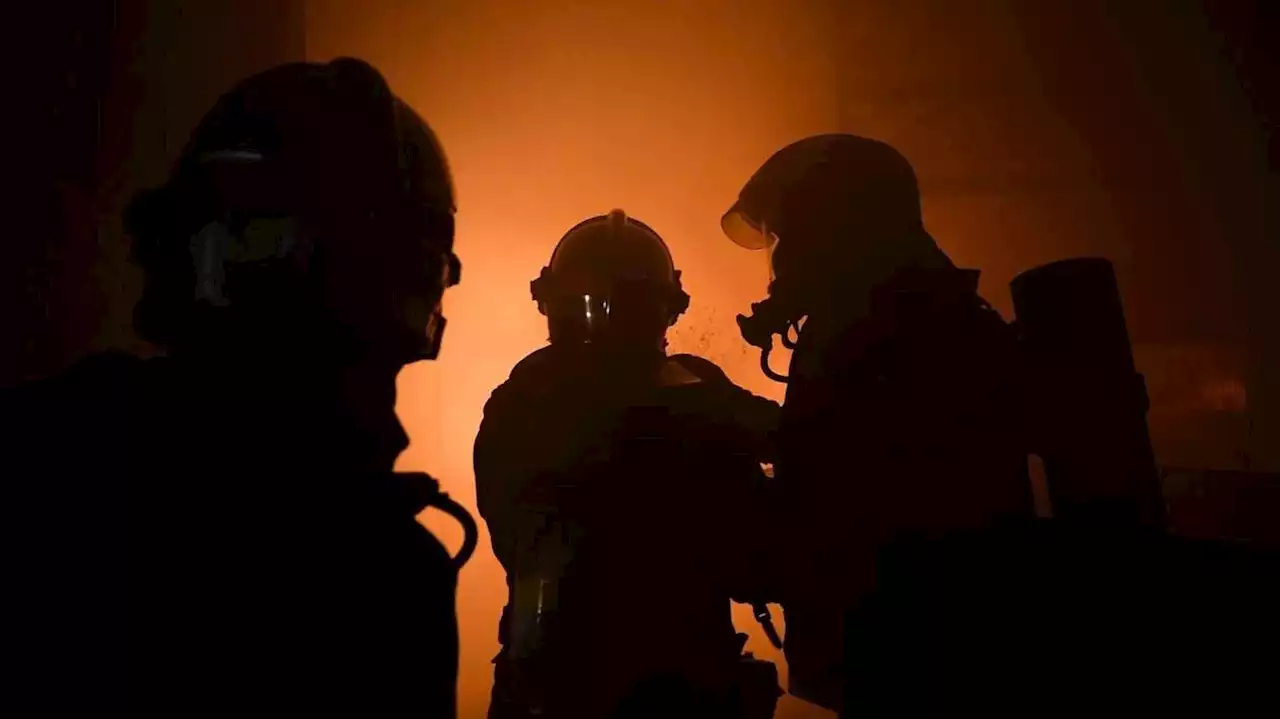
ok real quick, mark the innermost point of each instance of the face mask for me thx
(217, 250)
(775, 315)
(428, 322)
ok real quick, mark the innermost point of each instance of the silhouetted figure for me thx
(621, 489)
(1098, 607)
(219, 532)
(899, 417)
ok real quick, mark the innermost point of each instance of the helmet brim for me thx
(737, 226)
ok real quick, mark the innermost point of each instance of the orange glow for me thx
(554, 111)
(550, 115)
(1037, 133)
(1225, 396)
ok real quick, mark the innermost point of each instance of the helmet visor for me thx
(744, 231)
(752, 235)
(579, 317)
(595, 315)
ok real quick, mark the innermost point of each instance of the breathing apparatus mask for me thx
(261, 235)
(781, 312)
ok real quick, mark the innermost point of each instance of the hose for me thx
(426, 493)
(768, 371)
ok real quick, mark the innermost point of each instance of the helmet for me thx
(837, 213)
(611, 279)
(308, 195)
(836, 178)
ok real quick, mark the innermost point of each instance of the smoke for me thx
(1040, 130)
(551, 112)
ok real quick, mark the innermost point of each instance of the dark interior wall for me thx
(64, 49)
(1044, 128)
(115, 88)
(1243, 34)
(1166, 95)
(1134, 130)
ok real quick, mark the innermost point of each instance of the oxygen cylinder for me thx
(1087, 402)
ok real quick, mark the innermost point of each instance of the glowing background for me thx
(552, 115)
(1039, 129)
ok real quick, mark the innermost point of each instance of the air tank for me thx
(1087, 403)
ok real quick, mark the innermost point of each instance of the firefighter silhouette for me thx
(622, 490)
(898, 417)
(225, 522)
